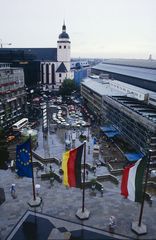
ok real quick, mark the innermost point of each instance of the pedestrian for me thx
(37, 170)
(51, 181)
(87, 174)
(82, 174)
(88, 149)
(37, 187)
(13, 191)
(101, 191)
(93, 187)
(112, 224)
(50, 168)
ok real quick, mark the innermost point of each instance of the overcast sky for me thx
(97, 28)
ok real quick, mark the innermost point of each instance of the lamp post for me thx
(1, 43)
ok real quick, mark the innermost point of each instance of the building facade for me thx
(12, 95)
(124, 106)
(134, 119)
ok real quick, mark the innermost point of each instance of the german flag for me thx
(71, 166)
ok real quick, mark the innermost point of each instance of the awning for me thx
(108, 129)
(111, 134)
(133, 156)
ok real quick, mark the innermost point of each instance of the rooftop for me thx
(133, 88)
(101, 87)
(38, 54)
(143, 63)
(137, 72)
(62, 68)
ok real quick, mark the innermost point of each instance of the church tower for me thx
(63, 48)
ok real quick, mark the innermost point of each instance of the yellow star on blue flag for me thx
(23, 159)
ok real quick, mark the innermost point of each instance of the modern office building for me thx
(124, 106)
(93, 90)
(46, 66)
(134, 119)
(12, 95)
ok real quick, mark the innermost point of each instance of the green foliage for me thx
(68, 86)
(82, 138)
(93, 181)
(4, 154)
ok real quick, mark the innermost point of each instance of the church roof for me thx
(64, 35)
(62, 68)
(38, 54)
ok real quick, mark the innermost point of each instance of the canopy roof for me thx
(133, 156)
(109, 131)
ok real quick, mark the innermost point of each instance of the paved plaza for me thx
(59, 202)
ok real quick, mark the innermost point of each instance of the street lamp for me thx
(2, 43)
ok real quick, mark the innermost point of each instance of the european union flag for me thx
(94, 140)
(23, 159)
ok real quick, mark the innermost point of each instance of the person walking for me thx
(13, 191)
(112, 224)
(87, 174)
(101, 191)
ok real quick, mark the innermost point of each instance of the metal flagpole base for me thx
(35, 203)
(139, 230)
(82, 215)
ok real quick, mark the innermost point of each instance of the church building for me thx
(56, 69)
(48, 67)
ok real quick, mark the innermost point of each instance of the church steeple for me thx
(64, 26)
(64, 34)
(63, 48)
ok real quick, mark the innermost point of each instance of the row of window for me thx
(136, 133)
(64, 47)
(9, 87)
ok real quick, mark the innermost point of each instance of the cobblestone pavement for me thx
(62, 202)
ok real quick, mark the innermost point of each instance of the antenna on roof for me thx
(150, 57)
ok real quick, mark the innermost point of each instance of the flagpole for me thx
(33, 182)
(83, 213)
(145, 186)
(84, 172)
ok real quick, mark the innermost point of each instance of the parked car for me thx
(10, 138)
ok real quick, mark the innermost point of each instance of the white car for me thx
(63, 120)
(58, 121)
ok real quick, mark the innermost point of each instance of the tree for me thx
(68, 86)
(4, 154)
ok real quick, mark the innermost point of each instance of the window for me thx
(60, 80)
(64, 46)
(60, 75)
(59, 46)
